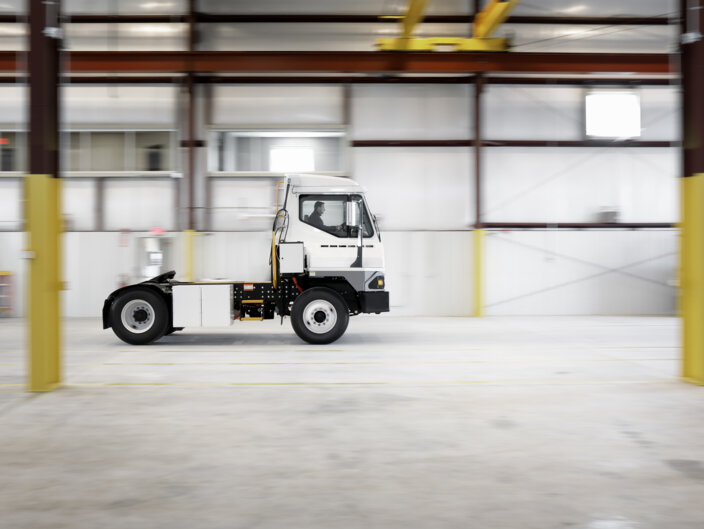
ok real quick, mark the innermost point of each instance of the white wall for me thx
(418, 189)
(101, 106)
(10, 204)
(11, 246)
(611, 272)
(134, 204)
(565, 184)
(276, 105)
(399, 112)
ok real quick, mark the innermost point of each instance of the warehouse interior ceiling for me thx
(585, 27)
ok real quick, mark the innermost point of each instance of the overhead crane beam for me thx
(414, 16)
(485, 23)
(492, 16)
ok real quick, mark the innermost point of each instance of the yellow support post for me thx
(43, 216)
(492, 16)
(189, 237)
(692, 278)
(478, 273)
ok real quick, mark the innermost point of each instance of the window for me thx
(612, 114)
(291, 159)
(276, 151)
(131, 151)
(329, 213)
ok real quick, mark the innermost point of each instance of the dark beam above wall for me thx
(348, 80)
(512, 143)
(356, 62)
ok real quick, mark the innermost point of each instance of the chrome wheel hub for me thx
(137, 316)
(319, 316)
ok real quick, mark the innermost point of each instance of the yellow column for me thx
(478, 273)
(189, 238)
(692, 278)
(43, 215)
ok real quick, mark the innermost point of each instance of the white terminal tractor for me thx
(327, 264)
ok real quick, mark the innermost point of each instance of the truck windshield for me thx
(329, 212)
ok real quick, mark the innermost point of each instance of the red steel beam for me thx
(356, 62)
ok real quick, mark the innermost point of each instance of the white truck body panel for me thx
(204, 305)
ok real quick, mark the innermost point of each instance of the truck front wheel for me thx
(319, 315)
(139, 316)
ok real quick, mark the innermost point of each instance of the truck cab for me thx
(327, 264)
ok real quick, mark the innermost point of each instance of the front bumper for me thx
(375, 302)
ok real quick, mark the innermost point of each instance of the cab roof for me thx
(323, 183)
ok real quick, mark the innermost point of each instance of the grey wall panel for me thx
(582, 38)
(661, 113)
(10, 204)
(363, 7)
(120, 105)
(13, 106)
(602, 8)
(612, 272)
(395, 112)
(243, 204)
(127, 37)
(533, 113)
(270, 106)
(78, 203)
(315, 36)
(574, 184)
(418, 189)
(133, 204)
(12, 244)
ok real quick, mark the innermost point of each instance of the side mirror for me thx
(352, 214)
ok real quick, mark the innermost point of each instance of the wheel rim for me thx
(319, 316)
(137, 316)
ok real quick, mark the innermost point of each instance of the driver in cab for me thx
(316, 219)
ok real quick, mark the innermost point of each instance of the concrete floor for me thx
(404, 423)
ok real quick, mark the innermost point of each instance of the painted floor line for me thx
(399, 363)
(382, 383)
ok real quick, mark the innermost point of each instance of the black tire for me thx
(319, 315)
(139, 316)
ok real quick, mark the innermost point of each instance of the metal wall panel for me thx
(10, 204)
(533, 112)
(568, 184)
(135, 204)
(243, 204)
(272, 106)
(397, 112)
(78, 203)
(14, 106)
(119, 105)
(304, 36)
(613, 272)
(429, 188)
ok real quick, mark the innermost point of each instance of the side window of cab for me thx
(328, 213)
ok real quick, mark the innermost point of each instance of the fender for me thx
(160, 283)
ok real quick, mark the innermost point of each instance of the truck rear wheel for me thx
(139, 316)
(319, 315)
